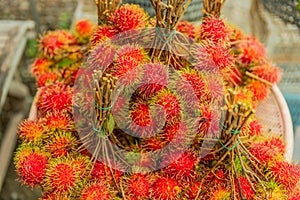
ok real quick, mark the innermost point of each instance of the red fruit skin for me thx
(165, 188)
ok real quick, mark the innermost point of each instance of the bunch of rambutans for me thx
(168, 154)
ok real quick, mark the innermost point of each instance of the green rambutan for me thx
(64, 174)
(61, 120)
(31, 131)
(56, 96)
(129, 17)
(267, 72)
(96, 191)
(180, 166)
(41, 66)
(60, 143)
(165, 188)
(220, 194)
(31, 164)
(102, 33)
(285, 173)
(46, 78)
(55, 43)
(243, 184)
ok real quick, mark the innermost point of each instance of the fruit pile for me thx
(132, 109)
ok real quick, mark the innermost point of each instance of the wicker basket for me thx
(274, 114)
(191, 14)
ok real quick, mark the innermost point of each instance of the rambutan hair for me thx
(138, 185)
(41, 66)
(83, 30)
(129, 17)
(55, 43)
(187, 28)
(31, 164)
(258, 89)
(102, 33)
(57, 96)
(165, 188)
(96, 190)
(31, 131)
(46, 78)
(58, 119)
(270, 73)
(246, 189)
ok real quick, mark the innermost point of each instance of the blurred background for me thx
(275, 22)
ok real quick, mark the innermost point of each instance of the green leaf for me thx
(65, 63)
(110, 124)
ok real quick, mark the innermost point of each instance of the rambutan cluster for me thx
(152, 118)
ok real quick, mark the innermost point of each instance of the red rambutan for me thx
(58, 120)
(243, 184)
(214, 29)
(103, 172)
(187, 28)
(56, 96)
(55, 43)
(46, 78)
(97, 190)
(63, 175)
(31, 165)
(138, 185)
(251, 50)
(129, 17)
(267, 72)
(258, 89)
(133, 51)
(101, 34)
(83, 30)
(30, 131)
(220, 193)
(285, 173)
(253, 128)
(165, 188)
(102, 56)
(264, 154)
(41, 66)
(170, 104)
(60, 143)
(181, 166)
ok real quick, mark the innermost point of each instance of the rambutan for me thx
(285, 173)
(253, 128)
(46, 78)
(31, 131)
(102, 56)
(56, 196)
(138, 185)
(243, 184)
(127, 70)
(267, 72)
(103, 172)
(219, 54)
(41, 66)
(55, 43)
(101, 34)
(187, 28)
(214, 29)
(97, 190)
(133, 51)
(165, 188)
(155, 78)
(31, 164)
(180, 166)
(56, 96)
(62, 175)
(251, 50)
(60, 143)
(258, 89)
(58, 120)
(83, 30)
(129, 17)
(170, 104)
(153, 143)
(264, 154)
(220, 193)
